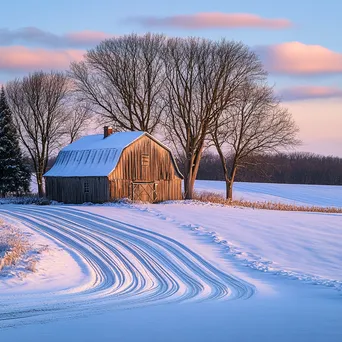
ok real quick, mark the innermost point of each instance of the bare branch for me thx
(38, 104)
(202, 81)
(255, 124)
(122, 79)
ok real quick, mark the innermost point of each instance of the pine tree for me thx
(14, 174)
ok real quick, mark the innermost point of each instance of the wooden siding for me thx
(133, 166)
(71, 189)
(166, 190)
(130, 165)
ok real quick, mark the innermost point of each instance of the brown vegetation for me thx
(13, 245)
(16, 252)
(213, 197)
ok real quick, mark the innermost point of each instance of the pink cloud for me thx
(310, 92)
(20, 58)
(214, 20)
(301, 59)
(36, 36)
(87, 37)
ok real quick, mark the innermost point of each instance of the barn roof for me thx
(94, 155)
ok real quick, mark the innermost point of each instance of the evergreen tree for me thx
(14, 174)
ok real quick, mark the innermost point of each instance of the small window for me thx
(86, 187)
(145, 160)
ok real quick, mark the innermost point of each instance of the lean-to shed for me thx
(99, 168)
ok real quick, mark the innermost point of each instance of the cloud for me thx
(310, 92)
(211, 20)
(35, 36)
(20, 58)
(296, 58)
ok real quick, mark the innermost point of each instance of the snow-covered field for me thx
(299, 194)
(179, 271)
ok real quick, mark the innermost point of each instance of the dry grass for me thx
(16, 253)
(13, 245)
(213, 197)
(32, 265)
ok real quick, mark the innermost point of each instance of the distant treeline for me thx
(293, 168)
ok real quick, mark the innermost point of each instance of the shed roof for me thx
(96, 156)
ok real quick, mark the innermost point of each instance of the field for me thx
(181, 271)
(297, 194)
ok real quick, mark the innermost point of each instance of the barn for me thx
(104, 167)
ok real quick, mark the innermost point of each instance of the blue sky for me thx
(304, 57)
(316, 22)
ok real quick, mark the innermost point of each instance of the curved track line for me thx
(128, 266)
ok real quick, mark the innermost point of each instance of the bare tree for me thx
(255, 124)
(202, 79)
(122, 79)
(79, 116)
(38, 104)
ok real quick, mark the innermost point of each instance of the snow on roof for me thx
(94, 155)
(117, 140)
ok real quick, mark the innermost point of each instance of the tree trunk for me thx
(39, 177)
(187, 187)
(187, 175)
(189, 183)
(191, 168)
(189, 194)
(228, 178)
(229, 189)
(229, 184)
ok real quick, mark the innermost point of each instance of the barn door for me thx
(144, 191)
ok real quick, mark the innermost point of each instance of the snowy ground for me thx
(56, 267)
(299, 194)
(177, 272)
(301, 245)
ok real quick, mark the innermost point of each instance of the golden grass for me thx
(213, 197)
(13, 245)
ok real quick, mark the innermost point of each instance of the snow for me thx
(97, 142)
(298, 194)
(294, 318)
(56, 268)
(301, 245)
(82, 163)
(94, 155)
(179, 271)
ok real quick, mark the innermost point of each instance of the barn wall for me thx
(160, 169)
(166, 190)
(71, 189)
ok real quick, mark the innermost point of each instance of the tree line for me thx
(286, 168)
(194, 92)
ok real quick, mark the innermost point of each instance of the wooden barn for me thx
(99, 168)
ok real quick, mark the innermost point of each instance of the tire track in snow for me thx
(127, 266)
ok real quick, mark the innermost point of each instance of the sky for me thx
(299, 42)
